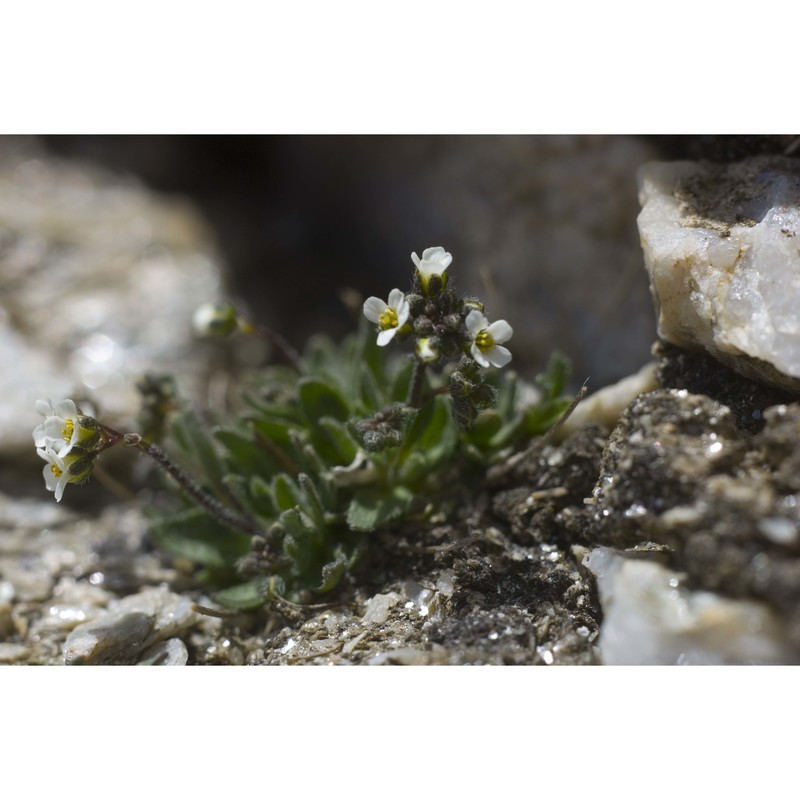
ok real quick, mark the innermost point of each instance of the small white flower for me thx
(425, 352)
(486, 339)
(389, 317)
(56, 473)
(434, 261)
(60, 430)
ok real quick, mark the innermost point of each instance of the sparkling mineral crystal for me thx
(722, 250)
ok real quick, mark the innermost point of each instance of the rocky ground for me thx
(671, 539)
(660, 525)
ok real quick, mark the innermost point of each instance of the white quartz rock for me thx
(722, 250)
(650, 618)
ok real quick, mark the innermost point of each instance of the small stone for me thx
(721, 247)
(778, 530)
(378, 608)
(113, 639)
(131, 625)
(13, 653)
(172, 653)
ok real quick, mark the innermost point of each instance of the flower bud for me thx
(212, 319)
(427, 351)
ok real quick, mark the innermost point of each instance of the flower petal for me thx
(39, 437)
(403, 312)
(475, 323)
(44, 407)
(396, 297)
(479, 356)
(373, 308)
(433, 253)
(66, 409)
(500, 331)
(498, 356)
(415, 259)
(384, 337)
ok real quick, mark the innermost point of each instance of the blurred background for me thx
(108, 243)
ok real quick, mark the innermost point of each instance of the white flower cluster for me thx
(60, 440)
(390, 317)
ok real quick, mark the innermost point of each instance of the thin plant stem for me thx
(275, 339)
(217, 510)
(417, 379)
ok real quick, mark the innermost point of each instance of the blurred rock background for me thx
(107, 243)
(542, 227)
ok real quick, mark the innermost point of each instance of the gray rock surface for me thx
(99, 278)
(719, 503)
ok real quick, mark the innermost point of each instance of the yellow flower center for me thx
(69, 429)
(484, 341)
(55, 470)
(387, 319)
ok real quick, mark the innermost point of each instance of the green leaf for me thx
(302, 540)
(339, 438)
(245, 596)
(486, 425)
(332, 573)
(371, 508)
(401, 385)
(194, 438)
(540, 418)
(263, 500)
(554, 379)
(435, 442)
(320, 353)
(276, 429)
(248, 455)
(285, 492)
(320, 399)
(192, 534)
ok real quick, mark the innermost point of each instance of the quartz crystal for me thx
(722, 251)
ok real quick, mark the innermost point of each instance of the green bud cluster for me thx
(470, 393)
(385, 429)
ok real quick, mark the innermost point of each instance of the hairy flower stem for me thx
(220, 512)
(275, 339)
(417, 379)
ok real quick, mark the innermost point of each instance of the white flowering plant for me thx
(341, 441)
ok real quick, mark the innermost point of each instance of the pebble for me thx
(171, 653)
(378, 608)
(130, 626)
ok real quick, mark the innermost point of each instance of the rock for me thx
(378, 608)
(720, 505)
(172, 653)
(13, 653)
(721, 248)
(129, 628)
(650, 617)
(99, 282)
(113, 639)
